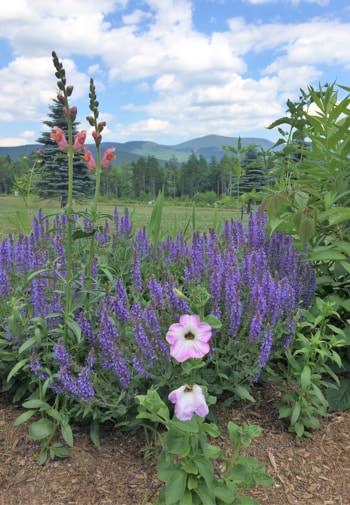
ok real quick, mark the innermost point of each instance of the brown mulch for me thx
(315, 471)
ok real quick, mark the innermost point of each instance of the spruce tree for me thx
(54, 178)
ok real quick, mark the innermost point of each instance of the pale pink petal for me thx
(181, 351)
(199, 349)
(173, 396)
(189, 320)
(204, 335)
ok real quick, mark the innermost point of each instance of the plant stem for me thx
(69, 238)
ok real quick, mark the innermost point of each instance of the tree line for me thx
(240, 170)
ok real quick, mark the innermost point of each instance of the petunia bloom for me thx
(59, 136)
(108, 156)
(89, 158)
(79, 140)
(189, 400)
(189, 338)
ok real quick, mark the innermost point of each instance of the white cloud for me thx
(26, 137)
(135, 17)
(199, 81)
(28, 85)
(150, 125)
(293, 2)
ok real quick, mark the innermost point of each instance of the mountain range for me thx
(207, 146)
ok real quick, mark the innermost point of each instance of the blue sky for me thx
(168, 70)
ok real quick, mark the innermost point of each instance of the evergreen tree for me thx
(54, 179)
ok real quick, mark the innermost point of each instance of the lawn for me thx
(15, 217)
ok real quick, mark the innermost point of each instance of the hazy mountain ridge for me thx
(207, 146)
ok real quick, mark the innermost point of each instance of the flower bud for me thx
(101, 125)
(97, 137)
(73, 112)
(61, 98)
(69, 90)
(90, 120)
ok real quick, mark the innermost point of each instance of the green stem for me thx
(94, 216)
(69, 238)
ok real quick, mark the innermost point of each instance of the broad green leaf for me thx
(305, 378)
(295, 413)
(67, 434)
(175, 487)
(35, 404)
(24, 417)
(243, 393)
(41, 429)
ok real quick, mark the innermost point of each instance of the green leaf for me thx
(224, 494)
(326, 254)
(154, 226)
(213, 321)
(35, 404)
(192, 482)
(204, 494)
(24, 417)
(177, 444)
(41, 429)
(67, 434)
(186, 499)
(175, 487)
(186, 426)
(74, 327)
(243, 393)
(211, 429)
(211, 451)
(336, 215)
(299, 429)
(339, 399)
(43, 456)
(245, 500)
(82, 234)
(95, 433)
(295, 413)
(305, 378)
(16, 369)
(284, 412)
(206, 470)
(27, 344)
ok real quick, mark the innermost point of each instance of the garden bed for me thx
(315, 471)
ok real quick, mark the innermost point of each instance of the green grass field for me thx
(15, 217)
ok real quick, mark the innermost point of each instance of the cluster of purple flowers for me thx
(255, 283)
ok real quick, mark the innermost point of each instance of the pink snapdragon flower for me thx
(108, 156)
(89, 158)
(189, 338)
(59, 136)
(79, 140)
(189, 400)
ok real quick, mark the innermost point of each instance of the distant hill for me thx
(208, 146)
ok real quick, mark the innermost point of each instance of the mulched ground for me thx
(315, 471)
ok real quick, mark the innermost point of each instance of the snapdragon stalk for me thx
(64, 93)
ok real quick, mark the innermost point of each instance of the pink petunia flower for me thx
(189, 400)
(59, 136)
(189, 338)
(108, 156)
(89, 158)
(79, 140)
